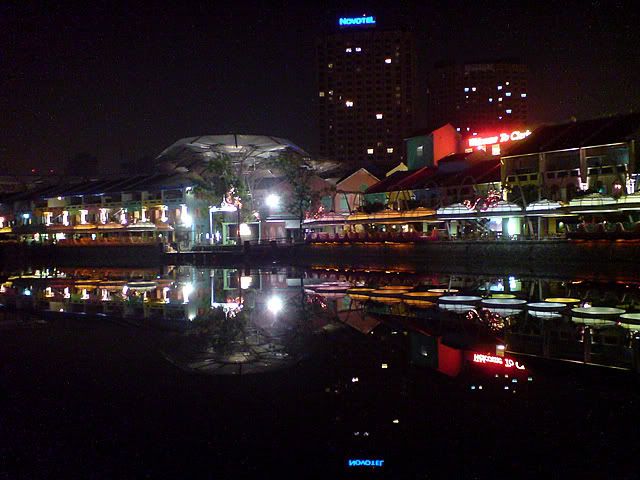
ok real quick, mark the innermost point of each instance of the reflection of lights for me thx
(274, 304)
(245, 282)
(187, 289)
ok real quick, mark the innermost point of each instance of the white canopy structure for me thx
(191, 154)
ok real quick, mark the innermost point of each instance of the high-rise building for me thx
(366, 89)
(479, 98)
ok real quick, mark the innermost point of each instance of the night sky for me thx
(124, 80)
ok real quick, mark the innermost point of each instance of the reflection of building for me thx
(478, 96)
(365, 93)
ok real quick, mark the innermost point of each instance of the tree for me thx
(300, 177)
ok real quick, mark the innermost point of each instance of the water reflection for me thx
(245, 320)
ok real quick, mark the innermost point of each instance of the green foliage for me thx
(302, 198)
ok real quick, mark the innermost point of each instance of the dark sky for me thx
(127, 80)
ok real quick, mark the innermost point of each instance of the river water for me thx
(215, 373)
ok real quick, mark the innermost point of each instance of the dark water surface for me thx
(227, 373)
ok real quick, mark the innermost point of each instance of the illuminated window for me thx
(473, 89)
(507, 83)
(490, 100)
(499, 87)
(499, 118)
(523, 95)
(495, 149)
(387, 60)
(508, 94)
(348, 50)
(390, 150)
(379, 116)
(358, 49)
(475, 133)
(330, 92)
(321, 94)
(458, 129)
(508, 110)
(330, 65)
(370, 151)
(466, 89)
(500, 99)
(349, 103)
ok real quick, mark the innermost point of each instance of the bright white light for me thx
(27, 292)
(25, 216)
(390, 150)
(500, 347)
(395, 420)
(349, 103)
(379, 116)
(245, 282)
(512, 227)
(187, 220)
(272, 200)
(187, 289)
(384, 365)
(123, 216)
(355, 379)
(387, 60)
(358, 49)
(370, 151)
(83, 216)
(245, 230)
(275, 305)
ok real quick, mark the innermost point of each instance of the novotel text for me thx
(356, 462)
(350, 21)
(500, 138)
(506, 362)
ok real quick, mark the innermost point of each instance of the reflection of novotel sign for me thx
(351, 21)
(356, 462)
(501, 138)
(506, 362)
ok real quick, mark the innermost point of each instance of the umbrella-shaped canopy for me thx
(592, 200)
(192, 153)
(454, 209)
(543, 205)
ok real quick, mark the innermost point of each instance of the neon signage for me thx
(500, 138)
(353, 462)
(492, 359)
(354, 21)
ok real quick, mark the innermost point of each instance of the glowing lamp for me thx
(273, 201)
(245, 230)
(275, 305)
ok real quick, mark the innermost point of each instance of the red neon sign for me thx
(492, 359)
(500, 138)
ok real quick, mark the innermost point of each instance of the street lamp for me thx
(272, 201)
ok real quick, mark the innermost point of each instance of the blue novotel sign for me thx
(356, 21)
(358, 462)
